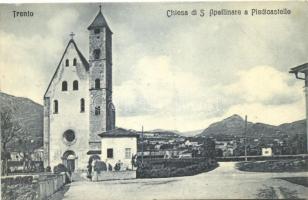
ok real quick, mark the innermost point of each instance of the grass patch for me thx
(295, 165)
(297, 180)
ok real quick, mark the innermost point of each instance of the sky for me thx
(178, 73)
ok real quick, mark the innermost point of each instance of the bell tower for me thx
(102, 112)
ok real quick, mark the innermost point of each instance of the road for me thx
(223, 182)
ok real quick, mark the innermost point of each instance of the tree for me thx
(208, 148)
(25, 147)
(9, 130)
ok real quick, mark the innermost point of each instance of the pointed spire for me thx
(99, 20)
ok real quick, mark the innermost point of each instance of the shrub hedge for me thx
(163, 168)
(296, 165)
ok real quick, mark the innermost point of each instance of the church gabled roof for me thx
(99, 21)
(82, 58)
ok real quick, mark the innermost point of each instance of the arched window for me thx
(74, 62)
(97, 83)
(97, 110)
(55, 106)
(96, 53)
(81, 105)
(64, 86)
(75, 85)
(67, 62)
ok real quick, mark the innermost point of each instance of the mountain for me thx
(28, 113)
(166, 133)
(297, 127)
(257, 130)
(235, 126)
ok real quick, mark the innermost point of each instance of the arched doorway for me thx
(90, 162)
(69, 160)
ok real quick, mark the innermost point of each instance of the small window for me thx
(64, 86)
(81, 105)
(67, 62)
(97, 31)
(75, 85)
(97, 110)
(55, 106)
(97, 83)
(74, 62)
(109, 153)
(97, 53)
(128, 154)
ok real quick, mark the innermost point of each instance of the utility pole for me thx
(142, 146)
(245, 140)
(303, 70)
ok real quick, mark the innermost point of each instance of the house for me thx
(185, 154)
(267, 152)
(118, 148)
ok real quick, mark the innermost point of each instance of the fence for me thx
(21, 187)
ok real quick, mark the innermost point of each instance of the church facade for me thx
(78, 101)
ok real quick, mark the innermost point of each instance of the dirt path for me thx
(223, 182)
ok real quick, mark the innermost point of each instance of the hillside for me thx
(166, 133)
(28, 113)
(235, 126)
(297, 127)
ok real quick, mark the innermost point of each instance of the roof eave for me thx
(301, 68)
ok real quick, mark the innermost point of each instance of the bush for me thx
(48, 169)
(39, 167)
(173, 168)
(60, 168)
(117, 167)
(274, 166)
(100, 166)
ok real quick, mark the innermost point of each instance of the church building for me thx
(78, 101)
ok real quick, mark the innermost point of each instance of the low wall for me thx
(21, 187)
(114, 175)
(50, 184)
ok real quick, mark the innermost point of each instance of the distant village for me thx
(170, 145)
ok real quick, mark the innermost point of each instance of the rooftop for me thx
(99, 21)
(301, 68)
(119, 132)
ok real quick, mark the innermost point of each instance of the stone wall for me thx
(30, 187)
(114, 175)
